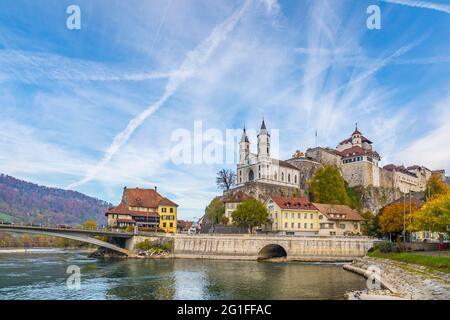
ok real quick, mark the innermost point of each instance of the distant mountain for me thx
(31, 203)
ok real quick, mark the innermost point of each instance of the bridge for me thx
(83, 235)
(215, 246)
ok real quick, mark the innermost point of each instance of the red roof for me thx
(238, 196)
(144, 198)
(358, 151)
(338, 212)
(293, 203)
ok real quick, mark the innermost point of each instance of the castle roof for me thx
(284, 164)
(401, 169)
(358, 151)
(293, 203)
(338, 212)
(349, 140)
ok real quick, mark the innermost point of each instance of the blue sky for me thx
(94, 109)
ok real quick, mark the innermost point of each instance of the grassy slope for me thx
(436, 263)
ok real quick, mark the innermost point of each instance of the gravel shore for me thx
(400, 280)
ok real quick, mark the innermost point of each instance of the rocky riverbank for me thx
(399, 280)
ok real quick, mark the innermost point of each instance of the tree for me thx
(215, 211)
(328, 186)
(371, 225)
(435, 186)
(249, 214)
(434, 215)
(225, 179)
(393, 217)
(90, 224)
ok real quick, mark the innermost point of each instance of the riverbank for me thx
(400, 280)
(42, 250)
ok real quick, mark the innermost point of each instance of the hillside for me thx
(31, 203)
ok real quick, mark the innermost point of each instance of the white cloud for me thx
(192, 62)
(421, 4)
(432, 150)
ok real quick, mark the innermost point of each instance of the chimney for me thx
(156, 189)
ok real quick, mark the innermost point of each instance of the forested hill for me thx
(28, 202)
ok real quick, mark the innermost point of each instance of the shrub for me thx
(385, 247)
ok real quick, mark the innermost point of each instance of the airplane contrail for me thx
(193, 61)
(421, 4)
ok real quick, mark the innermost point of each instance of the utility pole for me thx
(404, 218)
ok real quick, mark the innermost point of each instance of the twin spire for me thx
(244, 133)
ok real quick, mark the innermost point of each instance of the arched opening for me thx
(272, 251)
(251, 175)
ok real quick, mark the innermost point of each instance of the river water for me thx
(43, 275)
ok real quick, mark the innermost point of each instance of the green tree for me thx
(328, 186)
(215, 211)
(435, 186)
(90, 224)
(249, 214)
(434, 215)
(371, 225)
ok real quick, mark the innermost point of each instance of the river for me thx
(42, 275)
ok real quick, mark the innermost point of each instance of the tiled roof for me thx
(293, 203)
(238, 196)
(337, 209)
(284, 164)
(402, 169)
(144, 198)
(363, 139)
(358, 151)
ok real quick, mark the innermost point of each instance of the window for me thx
(299, 215)
(164, 224)
(289, 177)
(320, 217)
(164, 210)
(295, 179)
(306, 226)
(292, 225)
(312, 215)
(286, 225)
(171, 224)
(312, 225)
(292, 215)
(282, 176)
(299, 225)
(171, 210)
(306, 216)
(276, 214)
(285, 215)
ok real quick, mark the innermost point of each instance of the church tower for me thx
(357, 137)
(244, 148)
(263, 143)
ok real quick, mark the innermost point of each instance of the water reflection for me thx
(43, 276)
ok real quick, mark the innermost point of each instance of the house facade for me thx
(298, 216)
(144, 208)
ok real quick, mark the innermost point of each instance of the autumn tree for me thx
(225, 179)
(215, 211)
(434, 214)
(435, 186)
(371, 225)
(250, 214)
(90, 224)
(394, 216)
(328, 186)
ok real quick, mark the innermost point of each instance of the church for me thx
(261, 176)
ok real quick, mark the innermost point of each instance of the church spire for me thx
(263, 125)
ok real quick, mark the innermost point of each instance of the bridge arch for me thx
(272, 251)
(74, 236)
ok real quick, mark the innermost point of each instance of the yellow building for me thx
(145, 209)
(298, 216)
(293, 216)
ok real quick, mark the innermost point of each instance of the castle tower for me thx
(244, 148)
(263, 143)
(357, 137)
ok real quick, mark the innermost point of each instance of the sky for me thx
(99, 108)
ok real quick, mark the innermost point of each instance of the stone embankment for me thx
(400, 280)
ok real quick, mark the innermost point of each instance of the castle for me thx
(261, 176)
